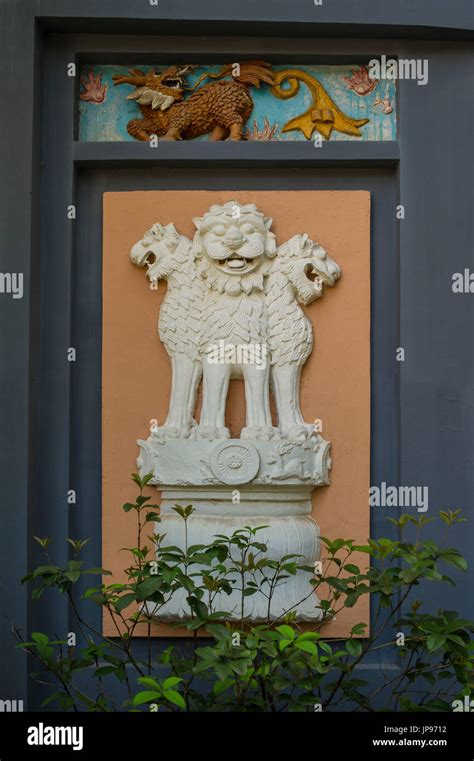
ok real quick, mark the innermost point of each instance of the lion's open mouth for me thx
(237, 264)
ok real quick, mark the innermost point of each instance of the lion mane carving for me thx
(232, 310)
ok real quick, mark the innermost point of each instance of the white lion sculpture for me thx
(234, 248)
(231, 311)
(168, 256)
(290, 334)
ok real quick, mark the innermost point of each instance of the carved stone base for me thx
(283, 536)
(236, 483)
(235, 462)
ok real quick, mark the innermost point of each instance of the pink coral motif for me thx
(385, 103)
(94, 91)
(266, 133)
(360, 82)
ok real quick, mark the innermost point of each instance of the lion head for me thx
(308, 267)
(233, 246)
(158, 250)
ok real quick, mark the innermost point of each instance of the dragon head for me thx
(159, 90)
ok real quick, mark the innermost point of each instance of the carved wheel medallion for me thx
(234, 463)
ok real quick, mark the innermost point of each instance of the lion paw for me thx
(260, 433)
(209, 432)
(302, 432)
(167, 433)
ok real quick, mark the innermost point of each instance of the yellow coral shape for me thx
(323, 115)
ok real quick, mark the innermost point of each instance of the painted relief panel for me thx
(277, 456)
(252, 100)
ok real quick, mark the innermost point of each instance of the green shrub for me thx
(274, 666)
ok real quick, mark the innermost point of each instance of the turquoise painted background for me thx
(107, 121)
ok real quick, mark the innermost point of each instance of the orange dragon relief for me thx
(173, 110)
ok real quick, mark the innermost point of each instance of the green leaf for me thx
(175, 697)
(104, 671)
(433, 575)
(73, 576)
(354, 569)
(124, 602)
(240, 667)
(148, 681)
(40, 638)
(223, 671)
(310, 636)
(455, 559)
(149, 587)
(147, 696)
(354, 647)
(350, 600)
(43, 541)
(287, 631)
(78, 544)
(435, 642)
(222, 685)
(458, 640)
(326, 647)
(141, 482)
(171, 681)
(307, 647)
(152, 517)
(358, 629)
(184, 512)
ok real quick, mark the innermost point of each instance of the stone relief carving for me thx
(174, 109)
(233, 309)
(220, 108)
(231, 288)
